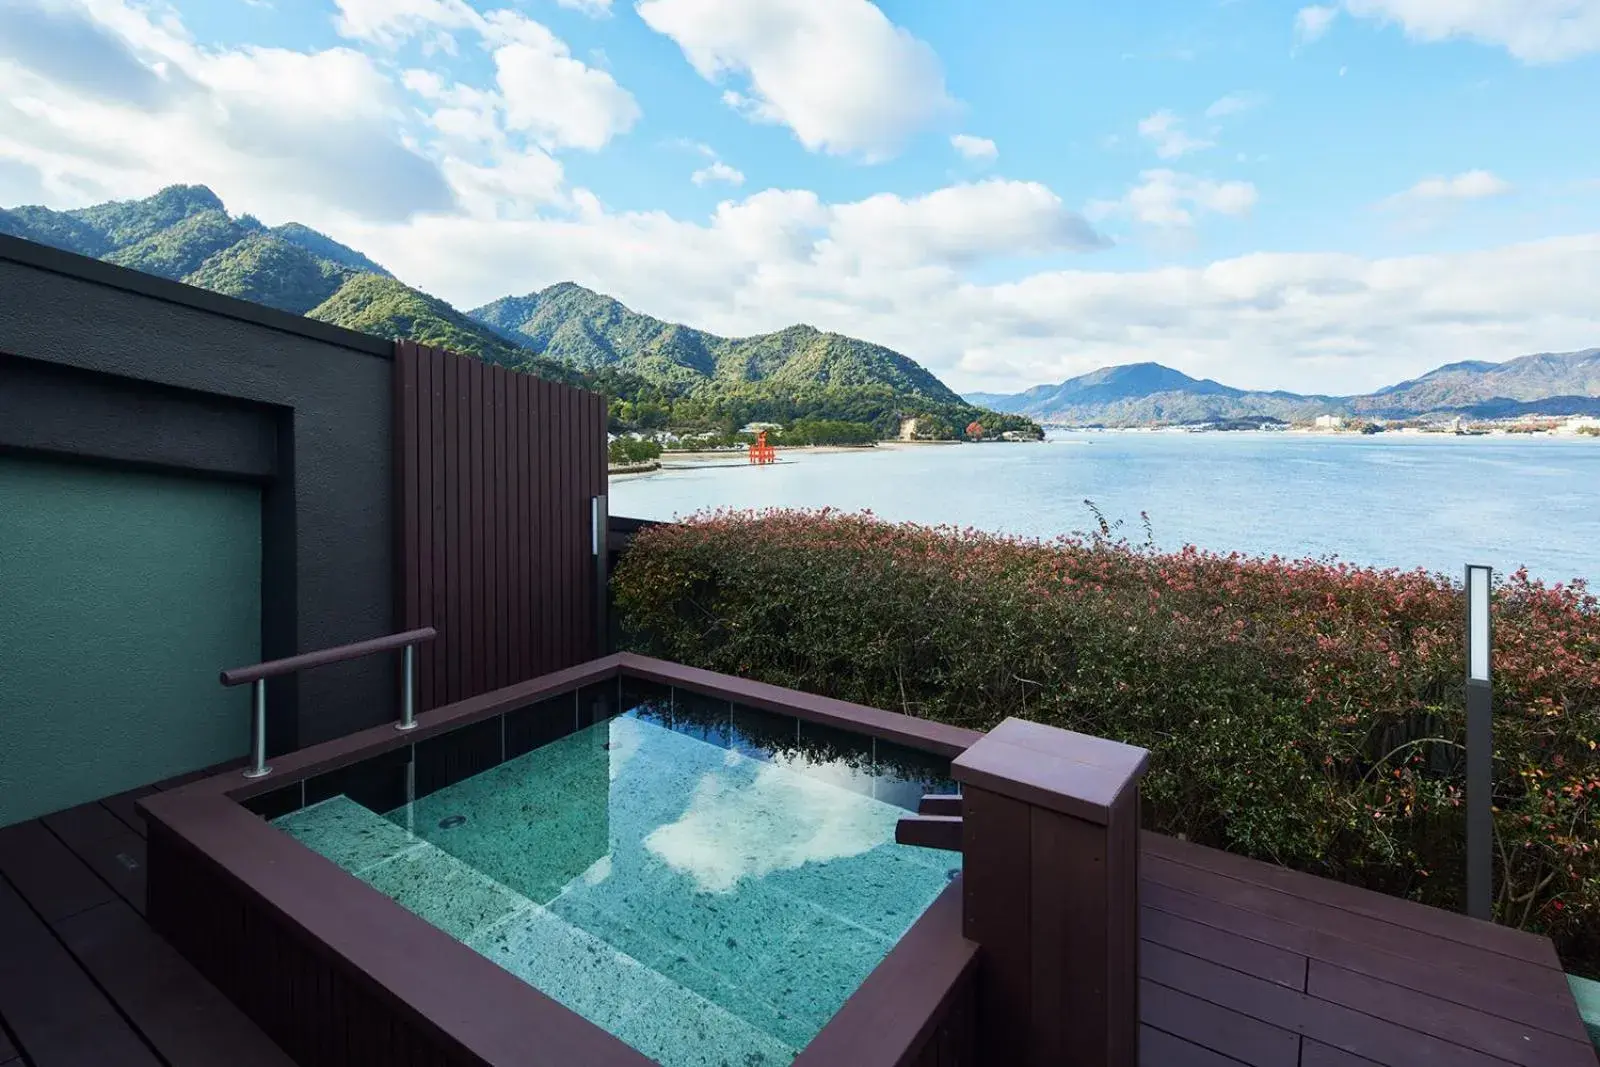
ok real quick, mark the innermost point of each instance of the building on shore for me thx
(1329, 422)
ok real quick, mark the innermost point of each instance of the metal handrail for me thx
(258, 674)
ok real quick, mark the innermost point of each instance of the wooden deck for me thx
(1242, 963)
(84, 981)
(1245, 963)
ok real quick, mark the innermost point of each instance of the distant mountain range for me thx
(660, 373)
(1149, 394)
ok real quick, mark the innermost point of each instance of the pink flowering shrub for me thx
(1305, 712)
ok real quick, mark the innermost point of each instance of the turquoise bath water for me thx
(709, 900)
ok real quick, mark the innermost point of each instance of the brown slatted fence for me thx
(495, 474)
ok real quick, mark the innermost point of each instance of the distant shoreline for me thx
(1317, 431)
(738, 453)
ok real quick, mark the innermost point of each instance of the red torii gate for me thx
(761, 452)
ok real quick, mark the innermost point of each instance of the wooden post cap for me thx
(1072, 773)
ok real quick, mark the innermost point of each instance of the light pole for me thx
(1480, 746)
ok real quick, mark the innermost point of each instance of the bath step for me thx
(588, 975)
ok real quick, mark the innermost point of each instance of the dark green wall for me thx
(122, 593)
(114, 367)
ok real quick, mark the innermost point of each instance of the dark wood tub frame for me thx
(337, 973)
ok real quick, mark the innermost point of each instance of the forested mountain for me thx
(1139, 394)
(674, 374)
(660, 374)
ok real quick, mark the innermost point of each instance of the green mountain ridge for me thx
(593, 331)
(660, 374)
(385, 307)
(266, 269)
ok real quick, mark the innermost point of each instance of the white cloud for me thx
(594, 8)
(392, 22)
(958, 225)
(559, 101)
(838, 73)
(1468, 185)
(1310, 23)
(717, 172)
(1534, 31)
(1166, 198)
(1165, 130)
(112, 100)
(543, 91)
(515, 185)
(976, 148)
(1233, 104)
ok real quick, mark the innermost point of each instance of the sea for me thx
(1432, 501)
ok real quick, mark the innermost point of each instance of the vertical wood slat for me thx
(508, 528)
(546, 568)
(593, 427)
(997, 843)
(508, 506)
(494, 471)
(461, 554)
(477, 631)
(423, 509)
(436, 458)
(561, 561)
(315, 1009)
(449, 484)
(506, 627)
(500, 676)
(525, 490)
(493, 493)
(405, 480)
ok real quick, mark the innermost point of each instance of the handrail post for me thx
(258, 742)
(408, 690)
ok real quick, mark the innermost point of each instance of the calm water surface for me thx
(1406, 501)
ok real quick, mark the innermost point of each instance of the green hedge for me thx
(1304, 712)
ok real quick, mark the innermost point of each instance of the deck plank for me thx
(1380, 906)
(1316, 1054)
(58, 1016)
(47, 874)
(186, 1019)
(1217, 1029)
(1258, 959)
(106, 845)
(1349, 926)
(123, 807)
(1492, 992)
(1157, 1048)
(1388, 1043)
(1509, 1041)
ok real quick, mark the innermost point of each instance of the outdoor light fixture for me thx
(1480, 744)
(1478, 583)
(599, 520)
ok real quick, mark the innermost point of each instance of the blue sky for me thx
(1275, 195)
